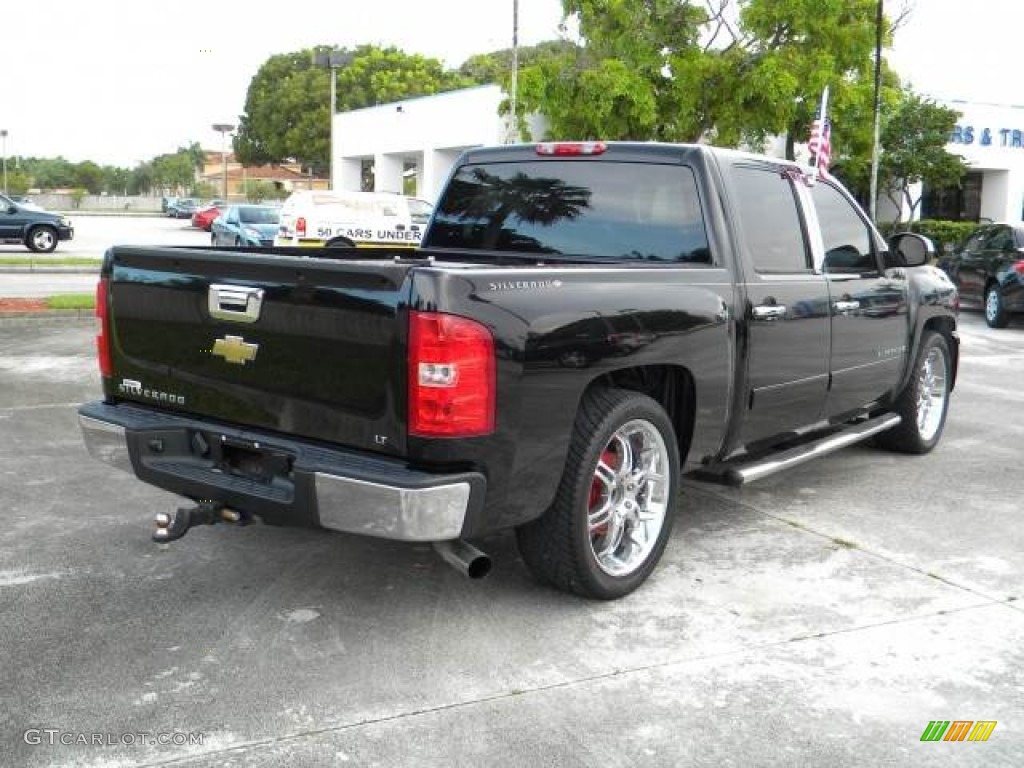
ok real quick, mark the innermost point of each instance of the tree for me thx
(49, 173)
(914, 150)
(496, 66)
(116, 180)
(89, 176)
(287, 105)
(728, 71)
(195, 153)
(18, 182)
(174, 171)
(141, 180)
(258, 190)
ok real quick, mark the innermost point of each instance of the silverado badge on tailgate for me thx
(235, 349)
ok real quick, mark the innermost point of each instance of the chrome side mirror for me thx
(913, 250)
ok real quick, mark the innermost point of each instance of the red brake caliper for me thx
(597, 490)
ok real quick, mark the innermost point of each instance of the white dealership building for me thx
(990, 137)
(420, 139)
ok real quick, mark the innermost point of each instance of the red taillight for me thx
(571, 148)
(103, 337)
(300, 227)
(1018, 267)
(451, 376)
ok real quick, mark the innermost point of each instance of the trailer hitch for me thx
(173, 526)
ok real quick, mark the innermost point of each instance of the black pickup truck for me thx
(583, 323)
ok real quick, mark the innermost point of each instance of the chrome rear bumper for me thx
(335, 489)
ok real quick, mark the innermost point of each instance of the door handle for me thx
(769, 311)
(846, 306)
(237, 303)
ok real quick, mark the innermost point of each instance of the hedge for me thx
(942, 233)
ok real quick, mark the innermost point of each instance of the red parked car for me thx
(203, 218)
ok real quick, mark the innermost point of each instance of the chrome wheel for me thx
(992, 305)
(42, 240)
(628, 498)
(931, 394)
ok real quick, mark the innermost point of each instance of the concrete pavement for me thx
(820, 617)
(94, 234)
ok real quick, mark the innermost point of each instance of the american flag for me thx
(820, 145)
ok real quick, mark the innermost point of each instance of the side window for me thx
(848, 242)
(976, 241)
(770, 220)
(1001, 240)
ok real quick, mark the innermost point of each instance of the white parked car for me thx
(318, 218)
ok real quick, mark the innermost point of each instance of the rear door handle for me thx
(769, 311)
(846, 306)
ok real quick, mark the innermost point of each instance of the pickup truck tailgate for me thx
(310, 346)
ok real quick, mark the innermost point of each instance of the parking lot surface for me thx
(820, 617)
(93, 235)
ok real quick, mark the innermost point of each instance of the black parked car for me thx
(988, 270)
(183, 208)
(38, 230)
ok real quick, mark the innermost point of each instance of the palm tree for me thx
(492, 199)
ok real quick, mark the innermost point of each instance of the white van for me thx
(315, 218)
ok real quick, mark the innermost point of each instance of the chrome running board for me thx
(741, 471)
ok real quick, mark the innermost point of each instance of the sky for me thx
(120, 81)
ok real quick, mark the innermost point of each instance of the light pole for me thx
(3, 136)
(333, 60)
(224, 129)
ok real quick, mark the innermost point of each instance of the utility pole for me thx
(3, 137)
(876, 140)
(514, 132)
(334, 109)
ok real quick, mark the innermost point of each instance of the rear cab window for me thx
(607, 210)
(772, 225)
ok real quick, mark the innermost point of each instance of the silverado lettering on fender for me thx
(583, 323)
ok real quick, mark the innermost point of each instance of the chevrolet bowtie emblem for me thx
(235, 350)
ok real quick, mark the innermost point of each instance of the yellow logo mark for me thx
(982, 730)
(235, 349)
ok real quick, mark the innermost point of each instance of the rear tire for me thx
(924, 402)
(995, 313)
(613, 511)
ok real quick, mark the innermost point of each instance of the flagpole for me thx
(821, 132)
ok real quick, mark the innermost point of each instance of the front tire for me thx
(924, 402)
(613, 511)
(41, 239)
(995, 313)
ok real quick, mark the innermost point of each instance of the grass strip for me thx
(72, 301)
(58, 261)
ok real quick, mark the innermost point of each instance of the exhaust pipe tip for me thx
(464, 557)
